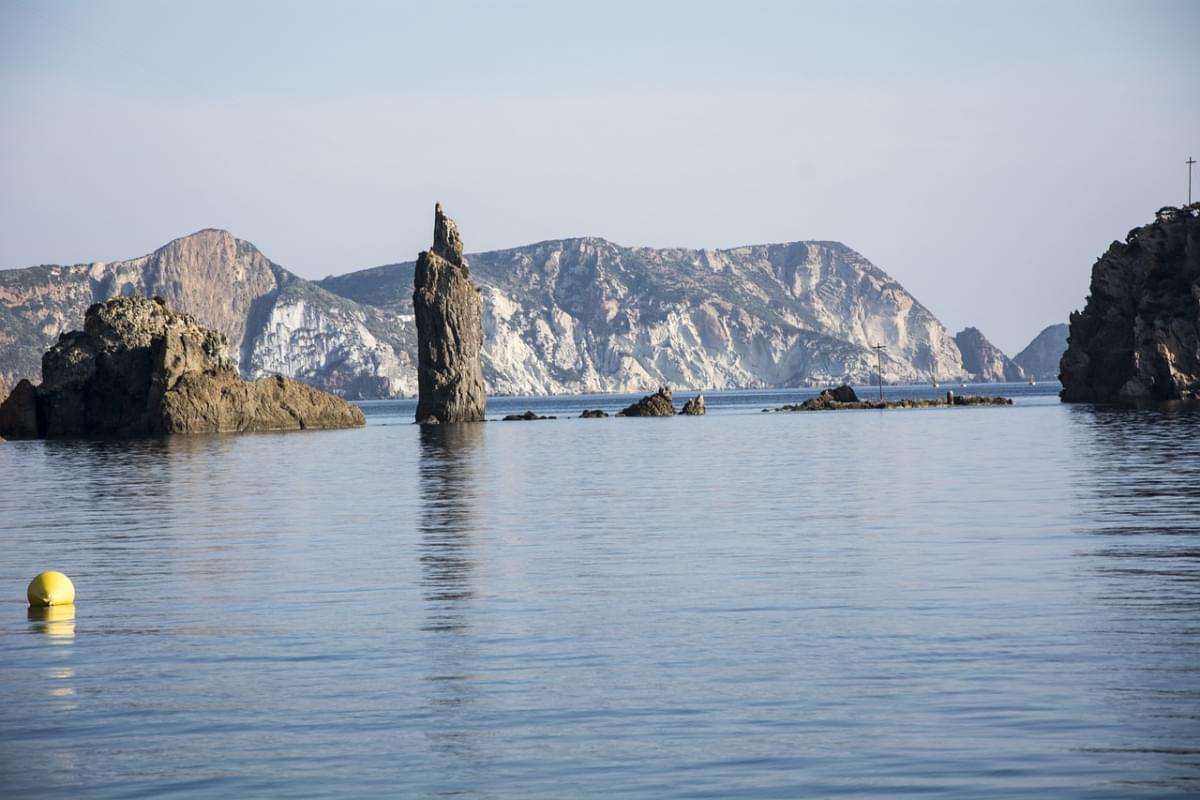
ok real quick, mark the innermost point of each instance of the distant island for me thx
(559, 317)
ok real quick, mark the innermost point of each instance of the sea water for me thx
(959, 602)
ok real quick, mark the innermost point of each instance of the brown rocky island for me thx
(449, 316)
(139, 369)
(1137, 340)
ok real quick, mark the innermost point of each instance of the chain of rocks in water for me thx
(844, 397)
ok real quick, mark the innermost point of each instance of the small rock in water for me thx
(694, 407)
(596, 414)
(653, 405)
(528, 415)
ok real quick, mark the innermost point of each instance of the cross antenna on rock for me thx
(1189, 163)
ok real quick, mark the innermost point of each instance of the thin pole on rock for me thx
(1189, 163)
(879, 348)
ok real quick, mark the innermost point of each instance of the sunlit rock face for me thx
(563, 316)
(274, 321)
(1137, 340)
(587, 315)
(137, 368)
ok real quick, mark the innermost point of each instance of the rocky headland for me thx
(985, 361)
(448, 312)
(1137, 340)
(137, 368)
(1040, 358)
(845, 398)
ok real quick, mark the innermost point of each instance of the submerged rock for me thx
(694, 407)
(138, 368)
(658, 404)
(448, 312)
(1137, 339)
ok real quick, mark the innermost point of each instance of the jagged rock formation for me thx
(1040, 358)
(138, 368)
(1138, 338)
(983, 360)
(448, 311)
(694, 407)
(275, 321)
(658, 404)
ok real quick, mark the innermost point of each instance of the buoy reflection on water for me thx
(57, 622)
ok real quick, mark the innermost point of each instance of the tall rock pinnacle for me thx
(449, 313)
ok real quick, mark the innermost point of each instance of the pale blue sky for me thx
(983, 154)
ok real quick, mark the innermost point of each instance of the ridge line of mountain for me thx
(561, 315)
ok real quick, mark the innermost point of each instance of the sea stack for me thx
(449, 316)
(1137, 340)
(140, 369)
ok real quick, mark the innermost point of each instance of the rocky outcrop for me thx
(658, 404)
(694, 407)
(448, 313)
(1137, 339)
(138, 368)
(828, 400)
(983, 360)
(596, 413)
(19, 412)
(1040, 358)
(526, 417)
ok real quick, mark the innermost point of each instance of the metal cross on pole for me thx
(1189, 162)
(879, 348)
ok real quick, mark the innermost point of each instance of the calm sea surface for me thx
(969, 602)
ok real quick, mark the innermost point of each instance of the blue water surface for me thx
(959, 602)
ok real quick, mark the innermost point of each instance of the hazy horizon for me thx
(983, 156)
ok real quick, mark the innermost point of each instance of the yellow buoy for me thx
(51, 589)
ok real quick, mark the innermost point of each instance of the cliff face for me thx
(573, 315)
(581, 315)
(1040, 357)
(1137, 340)
(984, 360)
(275, 322)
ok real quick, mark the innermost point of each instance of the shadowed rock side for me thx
(1137, 340)
(448, 312)
(1040, 357)
(985, 361)
(658, 404)
(138, 368)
